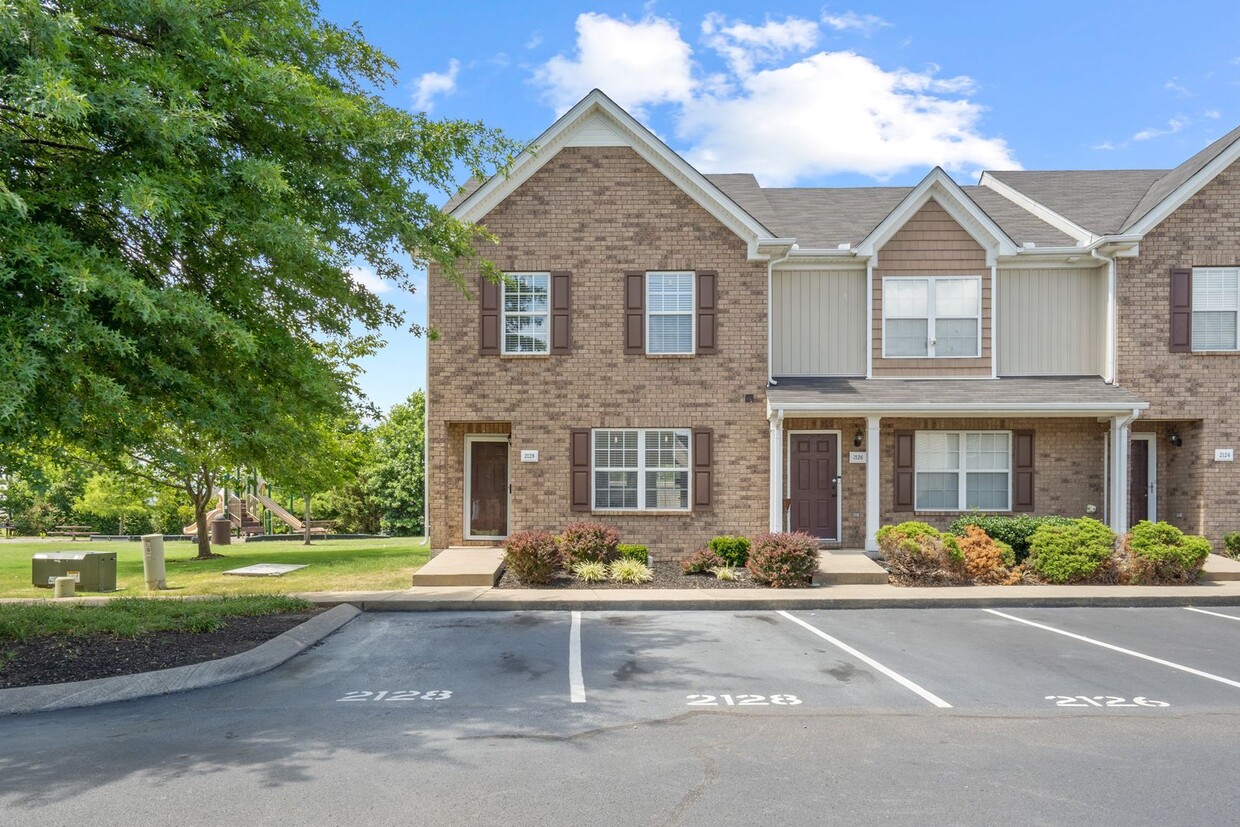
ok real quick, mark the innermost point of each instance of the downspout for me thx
(1112, 318)
(770, 335)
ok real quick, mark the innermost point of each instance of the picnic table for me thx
(72, 531)
(322, 526)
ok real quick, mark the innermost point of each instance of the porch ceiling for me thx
(1062, 396)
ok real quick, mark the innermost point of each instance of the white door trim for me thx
(470, 439)
(839, 473)
(1151, 440)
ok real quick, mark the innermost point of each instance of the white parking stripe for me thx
(1216, 614)
(895, 676)
(1120, 649)
(576, 683)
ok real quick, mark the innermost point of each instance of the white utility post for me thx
(872, 489)
(777, 470)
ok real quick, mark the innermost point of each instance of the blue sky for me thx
(839, 95)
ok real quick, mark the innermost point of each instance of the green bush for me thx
(589, 540)
(591, 571)
(627, 570)
(918, 554)
(533, 557)
(1231, 544)
(784, 560)
(700, 561)
(1080, 551)
(1014, 530)
(633, 551)
(1161, 553)
(735, 550)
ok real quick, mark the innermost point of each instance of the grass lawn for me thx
(332, 565)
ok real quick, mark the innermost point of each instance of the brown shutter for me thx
(1181, 310)
(904, 470)
(489, 298)
(703, 459)
(579, 465)
(706, 281)
(561, 312)
(1022, 471)
(634, 311)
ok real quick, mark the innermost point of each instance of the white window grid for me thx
(640, 469)
(962, 470)
(1216, 309)
(932, 315)
(669, 295)
(529, 295)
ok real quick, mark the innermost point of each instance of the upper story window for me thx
(527, 313)
(1216, 304)
(641, 469)
(963, 471)
(932, 317)
(669, 313)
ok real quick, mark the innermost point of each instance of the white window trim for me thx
(504, 314)
(641, 471)
(1197, 310)
(692, 351)
(931, 316)
(962, 486)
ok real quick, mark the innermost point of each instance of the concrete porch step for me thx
(1218, 567)
(460, 566)
(847, 567)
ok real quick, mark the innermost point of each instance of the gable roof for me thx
(1168, 186)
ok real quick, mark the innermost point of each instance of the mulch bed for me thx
(47, 660)
(666, 576)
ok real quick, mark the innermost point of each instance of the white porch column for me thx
(872, 491)
(777, 470)
(1120, 436)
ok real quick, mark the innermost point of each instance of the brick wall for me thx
(598, 211)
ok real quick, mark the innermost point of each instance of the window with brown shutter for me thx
(707, 281)
(634, 311)
(1022, 471)
(488, 304)
(561, 312)
(703, 460)
(1181, 310)
(904, 471)
(579, 469)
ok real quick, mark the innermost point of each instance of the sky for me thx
(806, 94)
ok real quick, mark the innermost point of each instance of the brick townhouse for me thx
(684, 355)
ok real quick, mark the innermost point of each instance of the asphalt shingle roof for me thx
(1008, 392)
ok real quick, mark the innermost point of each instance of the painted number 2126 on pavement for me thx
(742, 700)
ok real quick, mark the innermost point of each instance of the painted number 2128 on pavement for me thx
(742, 700)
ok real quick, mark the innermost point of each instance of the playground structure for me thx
(243, 510)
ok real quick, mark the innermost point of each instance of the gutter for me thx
(770, 269)
(1112, 325)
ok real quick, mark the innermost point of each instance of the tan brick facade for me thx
(597, 212)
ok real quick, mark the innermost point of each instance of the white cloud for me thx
(1212, 114)
(1174, 125)
(866, 24)
(743, 46)
(534, 40)
(366, 277)
(433, 84)
(635, 63)
(1105, 146)
(1180, 89)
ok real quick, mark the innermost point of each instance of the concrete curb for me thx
(261, 658)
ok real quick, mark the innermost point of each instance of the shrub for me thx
(784, 560)
(1161, 553)
(632, 551)
(1231, 544)
(1014, 530)
(1077, 552)
(984, 558)
(918, 554)
(735, 550)
(724, 572)
(589, 540)
(533, 556)
(627, 570)
(700, 561)
(591, 571)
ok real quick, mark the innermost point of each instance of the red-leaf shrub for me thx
(586, 540)
(533, 556)
(700, 561)
(784, 560)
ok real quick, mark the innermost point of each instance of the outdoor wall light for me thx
(1175, 439)
(858, 438)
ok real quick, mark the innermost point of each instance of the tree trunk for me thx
(306, 525)
(121, 527)
(200, 517)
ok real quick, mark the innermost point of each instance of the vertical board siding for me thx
(1052, 322)
(818, 319)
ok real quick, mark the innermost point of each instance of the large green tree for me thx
(395, 477)
(184, 187)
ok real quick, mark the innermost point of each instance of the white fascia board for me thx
(643, 142)
(958, 205)
(1124, 246)
(1059, 222)
(1185, 191)
(1061, 409)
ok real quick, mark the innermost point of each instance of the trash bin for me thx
(92, 571)
(153, 569)
(221, 531)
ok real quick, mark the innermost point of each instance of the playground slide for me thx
(192, 528)
(276, 509)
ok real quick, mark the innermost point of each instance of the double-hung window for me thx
(932, 317)
(641, 469)
(1216, 303)
(527, 313)
(963, 471)
(669, 313)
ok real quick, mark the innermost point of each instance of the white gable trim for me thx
(939, 186)
(1185, 191)
(1059, 222)
(597, 118)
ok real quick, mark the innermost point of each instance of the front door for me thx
(486, 497)
(1138, 481)
(813, 484)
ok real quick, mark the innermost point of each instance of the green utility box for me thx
(94, 571)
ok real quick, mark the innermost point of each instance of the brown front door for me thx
(813, 485)
(488, 489)
(1138, 481)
